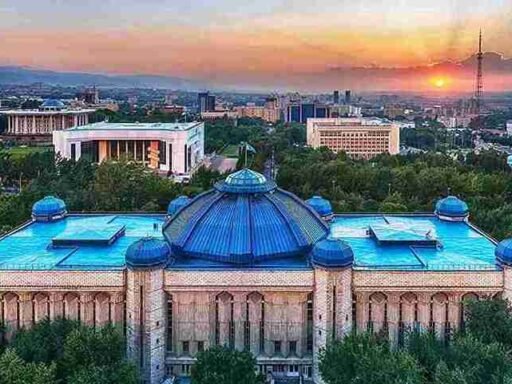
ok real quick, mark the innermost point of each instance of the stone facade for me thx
(283, 317)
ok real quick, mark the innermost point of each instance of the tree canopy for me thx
(65, 351)
(224, 365)
(480, 354)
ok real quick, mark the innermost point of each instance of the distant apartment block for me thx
(358, 137)
(52, 115)
(299, 112)
(170, 147)
(270, 114)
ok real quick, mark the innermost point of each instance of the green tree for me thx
(364, 359)
(225, 365)
(14, 370)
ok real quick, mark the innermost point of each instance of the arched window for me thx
(10, 313)
(439, 314)
(377, 312)
(40, 307)
(224, 326)
(253, 327)
(71, 306)
(101, 309)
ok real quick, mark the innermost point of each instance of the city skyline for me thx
(294, 45)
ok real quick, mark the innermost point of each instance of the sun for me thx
(440, 82)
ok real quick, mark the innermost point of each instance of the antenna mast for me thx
(479, 77)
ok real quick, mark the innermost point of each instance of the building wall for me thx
(280, 316)
(357, 137)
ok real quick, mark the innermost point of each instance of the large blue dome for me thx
(452, 208)
(48, 209)
(503, 252)
(176, 204)
(244, 220)
(52, 104)
(148, 252)
(332, 253)
(322, 206)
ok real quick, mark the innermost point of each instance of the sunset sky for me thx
(267, 44)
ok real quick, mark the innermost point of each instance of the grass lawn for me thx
(230, 151)
(22, 151)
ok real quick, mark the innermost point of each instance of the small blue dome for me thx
(509, 161)
(53, 103)
(245, 181)
(332, 253)
(48, 209)
(176, 204)
(452, 207)
(322, 206)
(148, 252)
(503, 252)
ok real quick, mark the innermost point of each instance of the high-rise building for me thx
(205, 102)
(357, 137)
(348, 96)
(336, 97)
(299, 112)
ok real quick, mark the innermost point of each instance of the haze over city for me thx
(287, 45)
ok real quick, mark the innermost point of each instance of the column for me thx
(424, 310)
(33, 123)
(87, 308)
(393, 317)
(117, 308)
(322, 307)
(239, 319)
(361, 310)
(507, 283)
(26, 310)
(56, 305)
(344, 303)
(454, 302)
(146, 326)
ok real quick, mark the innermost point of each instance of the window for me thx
(113, 149)
(293, 348)
(169, 324)
(309, 324)
(162, 155)
(200, 346)
(277, 347)
(73, 152)
(186, 348)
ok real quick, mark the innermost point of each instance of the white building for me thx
(174, 147)
(358, 137)
(509, 127)
(53, 115)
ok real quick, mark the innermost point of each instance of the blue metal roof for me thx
(245, 181)
(332, 253)
(452, 206)
(176, 204)
(148, 252)
(233, 226)
(48, 208)
(504, 252)
(322, 206)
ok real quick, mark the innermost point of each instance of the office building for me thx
(336, 97)
(358, 137)
(169, 147)
(38, 124)
(250, 266)
(206, 102)
(300, 112)
(348, 96)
